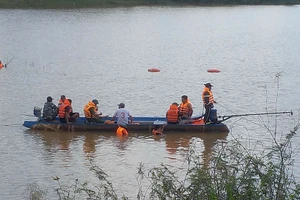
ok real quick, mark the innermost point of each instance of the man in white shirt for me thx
(122, 114)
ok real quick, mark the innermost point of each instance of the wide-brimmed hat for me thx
(208, 85)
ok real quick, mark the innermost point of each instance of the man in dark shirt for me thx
(49, 110)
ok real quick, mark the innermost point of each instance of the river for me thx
(105, 54)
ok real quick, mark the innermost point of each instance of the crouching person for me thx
(91, 112)
(66, 114)
(49, 110)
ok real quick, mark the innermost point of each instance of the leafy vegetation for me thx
(234, 173)
(40, 4)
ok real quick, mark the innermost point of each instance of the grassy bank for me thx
(52, 4)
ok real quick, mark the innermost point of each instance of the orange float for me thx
(153, 70)
(213, 70)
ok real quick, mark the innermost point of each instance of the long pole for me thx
(242, 115)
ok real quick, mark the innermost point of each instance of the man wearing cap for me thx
(91, 112)
(122, 115)
(208, 100)
(49, 110)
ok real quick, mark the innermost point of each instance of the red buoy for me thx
(153, 70)
(213, 70)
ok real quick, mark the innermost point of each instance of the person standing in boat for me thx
(185, 108)
(49, 110)
(91, 112)
(66, 114)
(122, 115)
(208, 101)
(172, 114)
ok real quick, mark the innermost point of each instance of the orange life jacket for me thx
(184, 109)
(62, 110)
(86, 110)
(121, 131)
(198, 121)
(65, 102)
(173, 114)
(207, 96)
(1, 65)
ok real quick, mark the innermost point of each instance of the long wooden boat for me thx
(139, 124)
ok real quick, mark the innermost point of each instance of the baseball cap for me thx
(121, 105)
(95, 101)
(208, 85)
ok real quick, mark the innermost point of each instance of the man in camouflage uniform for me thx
(49, 110)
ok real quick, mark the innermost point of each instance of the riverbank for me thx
(52, 4)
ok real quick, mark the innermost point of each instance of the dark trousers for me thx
(94, 120)
(208, 108)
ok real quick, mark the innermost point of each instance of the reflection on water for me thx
(174, 142)
(90, 141)
(53, 140)
(209, 140)
(182, 142)
(121, 141)
(70, 152)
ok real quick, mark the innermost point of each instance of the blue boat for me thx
(195, 124)
(139, 124)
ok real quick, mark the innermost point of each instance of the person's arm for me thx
(179, 113)
(55, 109)
(67, 110)
(130, 118)
(93, 112)
(190, 109)
(124, 132)
(214, 100)
(44, 111)
(101, 116)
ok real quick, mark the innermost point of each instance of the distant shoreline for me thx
(69, 4)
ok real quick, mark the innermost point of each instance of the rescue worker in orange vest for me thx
(158, 129)
(172, 114)
(122, 130)
(91, 112)
(63, 100)
(65, 112)
(208, 101)
(185, 108)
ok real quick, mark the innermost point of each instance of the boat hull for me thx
(140, 124)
